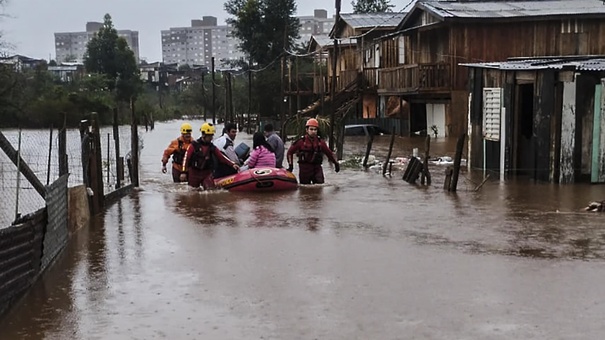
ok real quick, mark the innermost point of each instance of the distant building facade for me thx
(198, 43)
(71, 46)
(204, 39)
(67, 72)
(20, 63)
(317, 25)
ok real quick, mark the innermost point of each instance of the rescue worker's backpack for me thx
(201, 160)
(179, 155)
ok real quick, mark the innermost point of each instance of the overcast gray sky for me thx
(31, 24)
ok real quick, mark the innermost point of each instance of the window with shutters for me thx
(492, 106)
(401, 49)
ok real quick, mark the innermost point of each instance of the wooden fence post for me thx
(426, 174)
(368, 149)
(116, 139)
(387, 162)
(63, 161)
(457, 161)
(96, 166)
(134, 140)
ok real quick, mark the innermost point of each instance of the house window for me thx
(401, 49)
(492, 107)
(572, 26)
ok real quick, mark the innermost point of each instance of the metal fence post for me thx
(63, 163)
(18, 176)
(116, 138)
(50, 152)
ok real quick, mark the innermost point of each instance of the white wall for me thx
(435, 115)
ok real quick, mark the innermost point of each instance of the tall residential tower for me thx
(71, 46)
(204, 39)
(200, 42)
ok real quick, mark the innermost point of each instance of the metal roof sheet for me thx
(324, 40)
(580, 63)
(369, 20)
(513, 9)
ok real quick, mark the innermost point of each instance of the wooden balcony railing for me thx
(369, 81)
(415, 78)
(370, 77)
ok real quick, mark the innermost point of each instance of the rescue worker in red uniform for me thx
(200, 158)
(310, 150)
(177, 149)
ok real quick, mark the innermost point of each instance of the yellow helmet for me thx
(207, 129)
(186, 128)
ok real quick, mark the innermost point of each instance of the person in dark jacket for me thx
(200, 158)
(276, 143)
(310, 150)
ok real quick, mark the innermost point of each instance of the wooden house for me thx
(356, 66)
(422, 60)
(543, 118)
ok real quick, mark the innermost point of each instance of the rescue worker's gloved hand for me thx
(290, 168)
(336, 167)
(183, 177)
(164, 169)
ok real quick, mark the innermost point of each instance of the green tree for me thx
(109, 54)
(371, 6)
(266, 29)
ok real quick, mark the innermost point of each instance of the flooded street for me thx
(361, 257)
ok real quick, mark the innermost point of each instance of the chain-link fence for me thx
(115, 165)
(39, 150)
(17, 195)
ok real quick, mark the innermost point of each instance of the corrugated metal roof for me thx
(578, 63)
(369, 20)
(513, 9)
(324, 40)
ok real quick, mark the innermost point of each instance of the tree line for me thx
(267, 30)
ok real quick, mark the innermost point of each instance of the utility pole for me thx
(161, 84)
(249, 123)
(333, 89)
(297, 87)
(322, 81)
(226, 84)
(282, 113)
(230, 89)
(204, 97)
(213, 94)
(289, 64)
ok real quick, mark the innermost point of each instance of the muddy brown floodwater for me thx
(361, 257)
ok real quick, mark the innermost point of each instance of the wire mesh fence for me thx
(39, 149)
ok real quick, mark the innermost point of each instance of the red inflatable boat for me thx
(259, 179)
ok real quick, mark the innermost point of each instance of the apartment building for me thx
(317, 25)
(198, 43)
(71, 46)
(204, 39)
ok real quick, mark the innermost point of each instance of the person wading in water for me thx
(310, 150)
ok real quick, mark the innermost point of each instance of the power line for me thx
(401, 11)
(395, 14)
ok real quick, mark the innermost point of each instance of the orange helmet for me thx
(312, 122)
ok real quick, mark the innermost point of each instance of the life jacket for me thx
(310, 150)
(179, 155)
(199, 159)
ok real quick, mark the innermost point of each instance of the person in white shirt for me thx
(226, 145)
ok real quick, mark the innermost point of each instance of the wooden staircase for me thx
(344, 100)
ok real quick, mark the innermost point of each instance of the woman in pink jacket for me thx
(262, 154)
